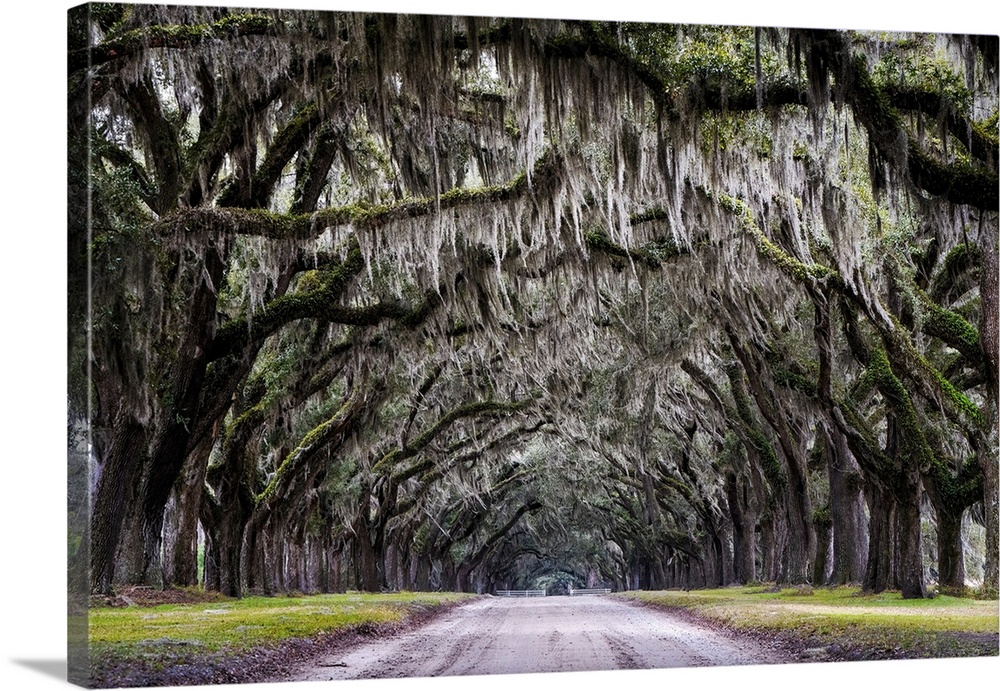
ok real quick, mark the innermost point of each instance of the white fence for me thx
(589, 591)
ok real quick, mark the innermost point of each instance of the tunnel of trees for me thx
(376, 301)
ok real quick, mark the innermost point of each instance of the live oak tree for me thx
(385, 301)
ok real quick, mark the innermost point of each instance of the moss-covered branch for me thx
(793, 378)
(958, 182)
(286, 144)
(652, 255)
(421, 441)
(951, 328)
(740, 415)
(315, 301)
(813, 275)
(361, 216)
(977, 140)
(898, 399)
(290, 473)
(959, 273)
(171, 36)
(941, 323)
(956, 491)
(320, 302)
(863, 442)
(930, 382)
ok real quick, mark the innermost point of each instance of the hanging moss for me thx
(959, 182)
(806, 273)
(420, 442)
(285, 145)
(171, 36)
(959, 271)
(952, 329)
(897, 339)
(311, 443)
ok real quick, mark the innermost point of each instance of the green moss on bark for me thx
(953, 330)
(808, 274)
(170, 36)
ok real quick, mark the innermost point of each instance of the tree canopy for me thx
(412, 301)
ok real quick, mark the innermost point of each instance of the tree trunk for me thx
(365, 560)
(251, 567)
(423, 580)
(141, 550)
(800, 537)
(986, 451)
(212, 577)
(850, 525)
(140, 554)
(116, 489)
(322, 555)
(233, 535)
(171, 537)
(273, 555)
(743, 534)
(769, 525)
(718, 564)
(911, 562)
(181, 550)
(726, 538)
(170, 431)
(824, 547)
(768, 547)
(229, 548)
(991, 512)
(390, 566)
(951, 559)
(882, 511)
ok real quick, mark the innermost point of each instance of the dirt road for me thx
(545, 634)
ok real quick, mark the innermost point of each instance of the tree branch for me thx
(171, 36)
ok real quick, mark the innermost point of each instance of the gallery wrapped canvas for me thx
(415, 345)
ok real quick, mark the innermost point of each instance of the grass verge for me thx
(235, 641)
(842, 624)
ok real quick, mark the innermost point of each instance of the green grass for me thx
(882, 625)
(250, 622)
